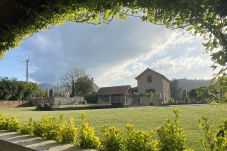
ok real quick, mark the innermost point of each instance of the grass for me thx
(142, 117)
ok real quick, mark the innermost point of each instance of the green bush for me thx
(87, 138)
(49, 127)
(27, 128)
(113, 138)
(13, 124)
(11, 89)
(139, 140)
(171, 136)
(214, 139)
(3, 121)
(68, 132)
(44, 107)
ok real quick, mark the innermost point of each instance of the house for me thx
(152, 81)
(116, 95)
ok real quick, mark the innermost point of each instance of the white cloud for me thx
(185, 65)
(113, 54)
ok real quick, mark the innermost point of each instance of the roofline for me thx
(129, 87)
(117, 86)
(153, 71)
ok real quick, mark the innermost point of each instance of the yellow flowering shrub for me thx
(113, 138)
(171, 136)
(68, 131)
(13, 124)
(213, 139)
(139, 140)
(87, 137)
(3, 121)
(27, 128)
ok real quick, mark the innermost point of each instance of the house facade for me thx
(152, 81)
(116, 95)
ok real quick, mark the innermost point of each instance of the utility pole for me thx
(186, 88)
(27, 61)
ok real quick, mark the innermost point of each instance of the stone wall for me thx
(10, 103)
(59, 100)
(12, 141)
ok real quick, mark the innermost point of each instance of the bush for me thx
(44, 107)
(27, 128)
(47, 127)
(68, 132)
(113, 138)
(13, 124)
(171, 136)
(87, 138)
(3, 122)
(214, 140)
(139, 140)
(11, 89)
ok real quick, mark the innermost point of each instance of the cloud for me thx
(167, 58)
(113, 54)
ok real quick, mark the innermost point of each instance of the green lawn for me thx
(141, 117)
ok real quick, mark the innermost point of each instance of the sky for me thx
(112, 54)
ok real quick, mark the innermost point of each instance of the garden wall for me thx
(58, 100)
(10, 103)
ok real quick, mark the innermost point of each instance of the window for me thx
(149, 78)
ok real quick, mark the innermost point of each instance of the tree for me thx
(206, 18)
(84, 85)
(218, 90)
(175, 90)
(11, 89)
(68, 79)
(193, 94)
(200, 94)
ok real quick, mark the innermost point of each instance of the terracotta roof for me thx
(114, 90)
(148, 69)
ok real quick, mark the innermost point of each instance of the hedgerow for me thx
(171, 136)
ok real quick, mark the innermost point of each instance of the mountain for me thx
(45, 86)
(192, 83)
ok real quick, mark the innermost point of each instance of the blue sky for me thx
(113, 54)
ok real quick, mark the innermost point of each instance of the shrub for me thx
(47, 127)
(13, 124)
(44, 107)
(113, 138)
(171, 136)
(68, 131)
(214, 140)
(87, 138)
(139, 140)
(27, 128)
(3, 122)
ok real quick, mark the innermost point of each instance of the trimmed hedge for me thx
(171, 136)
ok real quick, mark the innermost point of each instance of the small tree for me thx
(84, 85)
(69, 78)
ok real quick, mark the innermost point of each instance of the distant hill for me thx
(45, 86)
(192, 84)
